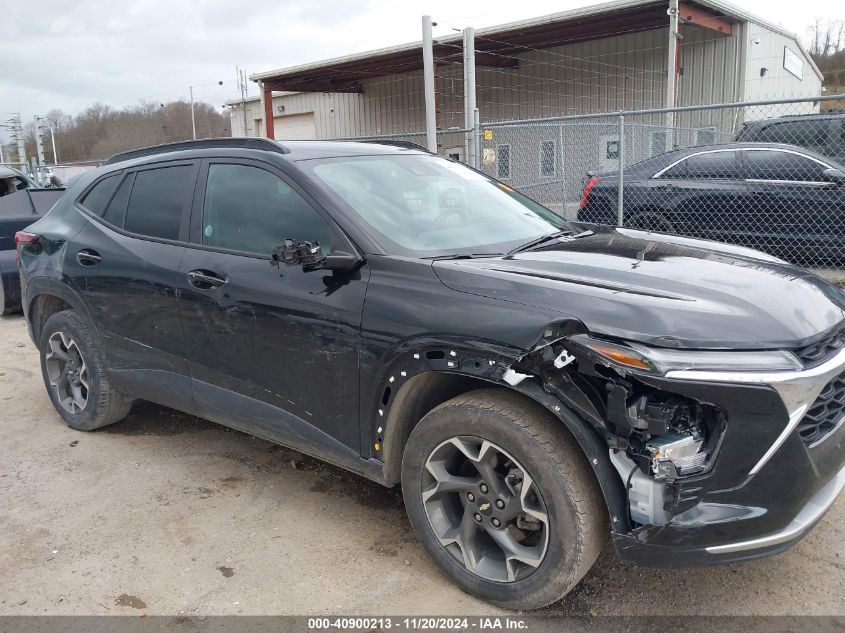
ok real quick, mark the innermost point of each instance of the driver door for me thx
(263, 335)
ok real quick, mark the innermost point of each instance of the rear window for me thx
(158, 199)
(803, 133)
(116, 211)
(709, 166)
(97, 198)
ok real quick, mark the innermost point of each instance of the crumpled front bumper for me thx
(767, 488)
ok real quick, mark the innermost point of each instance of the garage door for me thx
(295, 127)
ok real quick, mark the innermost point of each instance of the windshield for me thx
(426, 206)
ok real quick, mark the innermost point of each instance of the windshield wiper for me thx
(546, 238)
(540, 240)
(465, 256)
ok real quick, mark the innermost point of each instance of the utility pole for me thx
(428, 82)
(193, 120)
(243, 86)
(39, 139)
(469, 97)
(671, 72)
(17, 137)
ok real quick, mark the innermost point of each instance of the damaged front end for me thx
(662, 442)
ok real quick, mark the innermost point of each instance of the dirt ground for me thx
(165, 513)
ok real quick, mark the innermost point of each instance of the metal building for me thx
(603, 58)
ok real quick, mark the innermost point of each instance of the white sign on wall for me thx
(792, 63)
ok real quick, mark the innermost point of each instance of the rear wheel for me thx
(75, 377)
(650, 221)
(503, 499)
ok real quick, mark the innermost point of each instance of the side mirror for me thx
(310, 256)
(834, 175)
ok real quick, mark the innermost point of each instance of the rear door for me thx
(125, 263)
(798, 212)
(703, 195)
(261, 335)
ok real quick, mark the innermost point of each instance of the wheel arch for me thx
(44, 298)
(425, 391)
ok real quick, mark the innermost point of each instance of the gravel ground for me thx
(165, 513)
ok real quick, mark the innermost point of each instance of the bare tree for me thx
(100, 130)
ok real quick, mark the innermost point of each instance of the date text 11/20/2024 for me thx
(419, 623)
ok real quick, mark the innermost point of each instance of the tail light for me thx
(587, 189)
(23, 238)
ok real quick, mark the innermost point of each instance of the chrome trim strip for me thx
(815, 508)
(794, 419)
(797, 389)
(741, 149)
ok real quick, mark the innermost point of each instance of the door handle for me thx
(204, 279)
(88, 257)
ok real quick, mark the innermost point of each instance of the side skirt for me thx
(244, 414)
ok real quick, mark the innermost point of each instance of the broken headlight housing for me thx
(660, 361)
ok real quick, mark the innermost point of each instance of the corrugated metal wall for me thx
(627, 72)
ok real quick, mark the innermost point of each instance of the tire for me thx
(67, 346)
(515, 435)
(650, 221)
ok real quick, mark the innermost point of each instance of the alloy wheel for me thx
(67, 372)
(485, 509)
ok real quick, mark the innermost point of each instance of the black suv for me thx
(822, 133)
(529, 382)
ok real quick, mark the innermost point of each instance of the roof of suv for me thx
(291, 150)
(794, 118)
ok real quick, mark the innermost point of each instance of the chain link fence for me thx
(699, 171)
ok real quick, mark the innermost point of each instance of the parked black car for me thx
(21, 202)
(821, 133)
(528, 381)
(781, 199)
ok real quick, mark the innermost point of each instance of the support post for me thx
(476, 138)
(428, 82)
(267, 99)
(469, 96)
(671, 72)
(53, 141)
(193, 120)
(620, 194)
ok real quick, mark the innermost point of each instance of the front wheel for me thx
(503, 499)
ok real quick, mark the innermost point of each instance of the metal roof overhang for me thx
(498, 46)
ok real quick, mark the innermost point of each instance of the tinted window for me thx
(804, 133)
(547, 158)
(158, 198)
(116, 211)
(774, 165)
(503, 161)
(96, 199)
(251, 210)
(712, 165)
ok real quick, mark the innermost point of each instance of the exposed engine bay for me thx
(657, 440)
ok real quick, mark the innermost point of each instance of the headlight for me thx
(659, 361)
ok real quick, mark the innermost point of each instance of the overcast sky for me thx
(60, 54)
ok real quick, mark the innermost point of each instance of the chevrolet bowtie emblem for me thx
(484, 506)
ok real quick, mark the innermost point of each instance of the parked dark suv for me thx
(822, 133)
(528, 381)
(781, 199)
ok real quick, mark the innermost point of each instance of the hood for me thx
(662, 290)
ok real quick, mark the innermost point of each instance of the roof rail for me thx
(224, 142)
(405, 144)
